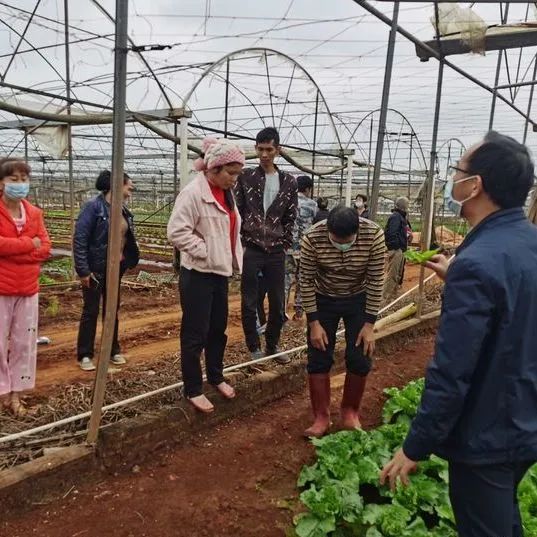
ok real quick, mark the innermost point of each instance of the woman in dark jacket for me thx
(90, 244)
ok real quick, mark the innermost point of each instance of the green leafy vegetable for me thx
(414, 256)
(343, 497)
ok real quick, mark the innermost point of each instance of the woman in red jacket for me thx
(24, 245)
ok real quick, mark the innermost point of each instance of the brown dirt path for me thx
(149, 328)
(145, 335)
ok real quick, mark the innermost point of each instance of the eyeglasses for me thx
(454, 169)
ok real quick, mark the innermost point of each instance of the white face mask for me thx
(452, 204)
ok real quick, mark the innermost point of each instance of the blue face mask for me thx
(16, 191)
(452, 204)
(345, 247)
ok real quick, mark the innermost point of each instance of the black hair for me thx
(304, 182)
(363, 196)
(267, 135)
(342, 221)
(322, 204)
(102, 184)
(506, 168)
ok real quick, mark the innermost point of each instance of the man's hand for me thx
(439, 263)
(37, 242)
(318, 336)
(400, 466)
(367, 337)
(86, 280)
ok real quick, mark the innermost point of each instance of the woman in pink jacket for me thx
(24, 245)
(205, 226)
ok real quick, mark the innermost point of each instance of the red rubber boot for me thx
(319, 384)
(353, 392)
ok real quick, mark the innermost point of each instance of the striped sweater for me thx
(327, 271)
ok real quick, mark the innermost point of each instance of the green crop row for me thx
(343, 497)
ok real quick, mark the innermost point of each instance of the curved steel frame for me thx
(232, 55)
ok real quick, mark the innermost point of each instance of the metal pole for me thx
(183, 156)
(383, 112)
(497, 76)
(348, 192)
(315, 140)
(69, 131)
(530, 101)
(175, 159)
(427, 227)
(26, 145)
(341, 178)
(495, 94)
(369, 157)
(116, 206)
(226, 109)
(410, 165)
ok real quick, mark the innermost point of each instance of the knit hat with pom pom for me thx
(218, 153)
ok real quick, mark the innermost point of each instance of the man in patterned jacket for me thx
(267, 201)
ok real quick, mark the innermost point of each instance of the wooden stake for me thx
(116, 208)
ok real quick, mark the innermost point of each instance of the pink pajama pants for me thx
(18, 342)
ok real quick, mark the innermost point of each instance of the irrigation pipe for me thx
(136, 398)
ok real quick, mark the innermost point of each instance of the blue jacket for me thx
(480, 399)
(396, 229)
(90, 241)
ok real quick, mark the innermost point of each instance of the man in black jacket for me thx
(478, 410)
(397, 234)
(267, 201)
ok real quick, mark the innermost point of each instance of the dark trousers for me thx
(331, 311)
(90, 314)
(273, 268)
(204, 301)
(484, 499)
(261, 295)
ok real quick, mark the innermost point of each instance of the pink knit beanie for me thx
(217, 153)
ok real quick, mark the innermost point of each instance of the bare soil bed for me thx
(236, 480)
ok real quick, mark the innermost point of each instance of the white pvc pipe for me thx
(136, 398)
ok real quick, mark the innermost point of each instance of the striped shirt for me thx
(327, 271)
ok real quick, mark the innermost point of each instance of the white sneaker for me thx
(117, 359)
(86, 364)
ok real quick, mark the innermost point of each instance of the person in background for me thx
(360, 204)
(204, 226)
(478, 407)
(398, 233)
(322, 210)
(307, 209)
(267, 201)
(341, 277)
(24, 245)
(90, 245)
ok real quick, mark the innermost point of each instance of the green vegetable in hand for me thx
(413, 256)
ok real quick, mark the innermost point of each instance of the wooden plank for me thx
(404, 325)
(42, 465)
